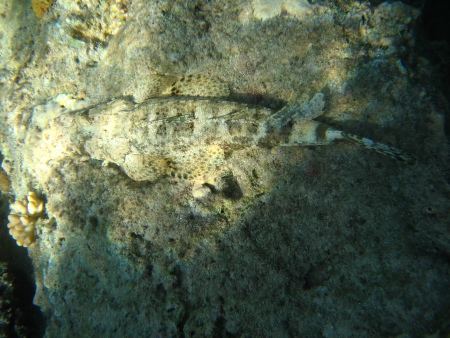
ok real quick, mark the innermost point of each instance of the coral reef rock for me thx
(178, 145)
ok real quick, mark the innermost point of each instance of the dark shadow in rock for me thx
(26, 319)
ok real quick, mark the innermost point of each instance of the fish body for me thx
(188, 137)
(181, 137)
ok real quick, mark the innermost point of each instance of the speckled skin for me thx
(187, 137)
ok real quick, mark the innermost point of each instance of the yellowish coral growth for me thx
(5, 183)
(23, 218)
(41, 6)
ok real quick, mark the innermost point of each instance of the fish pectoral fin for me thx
(145, 167)
(200, 85)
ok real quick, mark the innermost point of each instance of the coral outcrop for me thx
(23, 218)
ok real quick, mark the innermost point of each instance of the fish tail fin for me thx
(381, 148)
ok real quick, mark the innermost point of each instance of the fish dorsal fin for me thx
(200, 85)
(301, 109)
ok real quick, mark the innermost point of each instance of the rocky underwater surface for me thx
(183, 225)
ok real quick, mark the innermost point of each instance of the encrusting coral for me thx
(23, 218)
(5, 182)
(40, 7)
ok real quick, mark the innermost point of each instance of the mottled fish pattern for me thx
(187, 133)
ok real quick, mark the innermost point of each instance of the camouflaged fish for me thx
(187, 133)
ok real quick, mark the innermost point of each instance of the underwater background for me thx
(277, 241)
